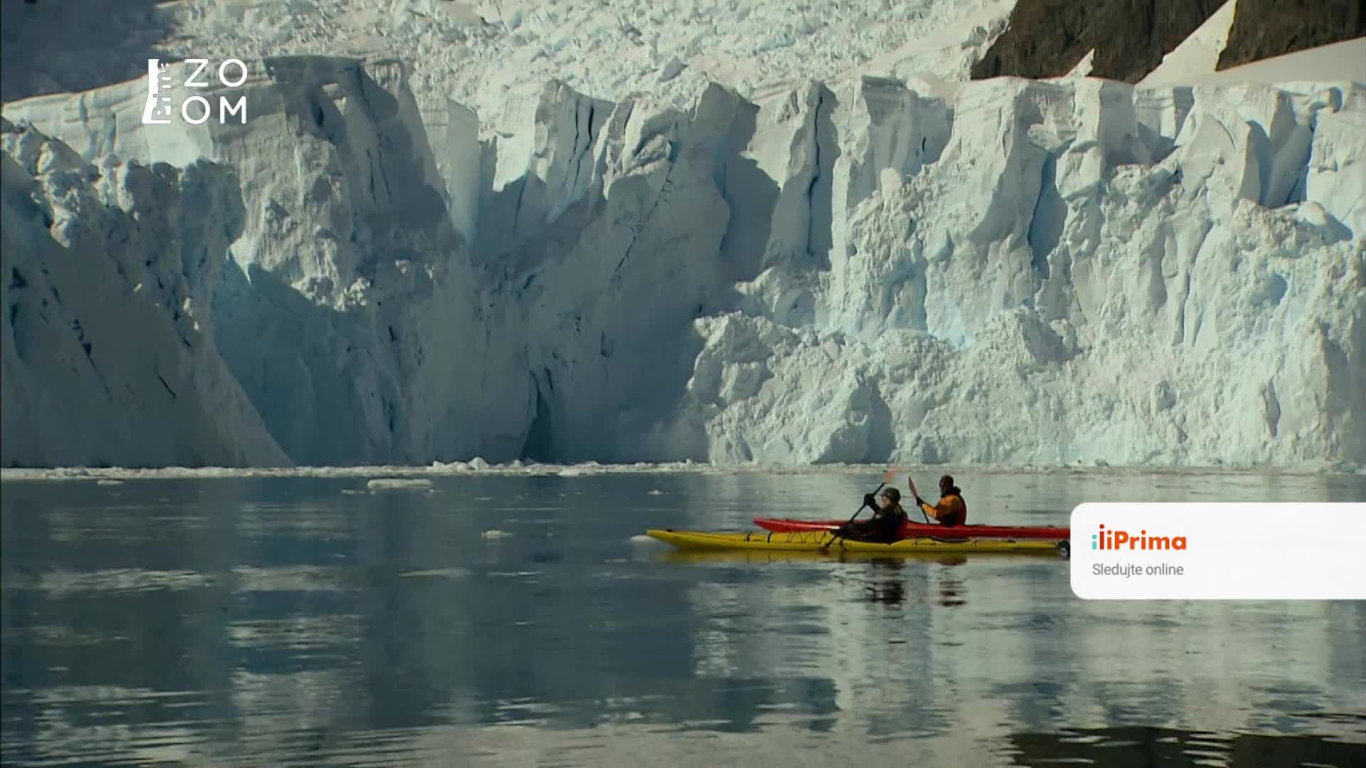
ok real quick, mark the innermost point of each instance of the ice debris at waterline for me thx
(861, 471)
(398, 483)
(996, 272)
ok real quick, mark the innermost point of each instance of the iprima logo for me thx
(1113, 540)
(163, 89)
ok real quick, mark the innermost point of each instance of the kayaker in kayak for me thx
(951, 509)
(885, 525)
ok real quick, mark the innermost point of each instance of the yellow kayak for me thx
(817, 541)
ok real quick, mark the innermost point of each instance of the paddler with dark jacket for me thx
(885, 525)
(951, 509)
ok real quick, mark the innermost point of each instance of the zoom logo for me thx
(169, 94)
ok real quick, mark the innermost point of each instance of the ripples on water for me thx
(515, 621)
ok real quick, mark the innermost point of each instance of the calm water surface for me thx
(513, 620)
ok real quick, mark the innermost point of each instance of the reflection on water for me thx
(271, 621)
(886, 585)
(1139, 747)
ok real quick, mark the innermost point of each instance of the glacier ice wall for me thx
(1084, 272)
(108, 349)
(348, 312)
(1002, 271)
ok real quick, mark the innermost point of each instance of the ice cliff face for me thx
(108, 346)
(1080, 272)
(349, 313)
(1002, 271)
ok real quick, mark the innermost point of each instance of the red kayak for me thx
(931, 529)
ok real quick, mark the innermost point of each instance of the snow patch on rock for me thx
(1197, 55)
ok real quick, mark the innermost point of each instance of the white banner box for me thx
(1219, 551)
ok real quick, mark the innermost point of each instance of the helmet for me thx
(892, 494)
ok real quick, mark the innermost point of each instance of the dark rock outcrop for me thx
(1047, 38)
(1266, 28)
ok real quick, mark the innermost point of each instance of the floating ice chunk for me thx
(391, 483)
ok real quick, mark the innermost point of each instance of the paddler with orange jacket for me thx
(951, 509)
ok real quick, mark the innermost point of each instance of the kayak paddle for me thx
(887, 478)
(916, 495)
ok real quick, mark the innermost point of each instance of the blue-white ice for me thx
(888, 265)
